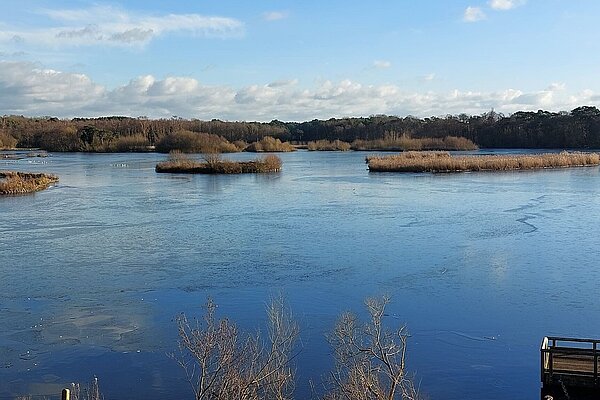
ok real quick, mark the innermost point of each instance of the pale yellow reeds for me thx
(328, 145)
(269, 144)
(433, 162)
(183, 165)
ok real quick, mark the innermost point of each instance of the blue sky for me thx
(296, 60)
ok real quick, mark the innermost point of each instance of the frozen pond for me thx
(480, 266)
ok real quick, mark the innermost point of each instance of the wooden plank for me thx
(574, 364)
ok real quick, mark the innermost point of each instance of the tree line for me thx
(579, 128)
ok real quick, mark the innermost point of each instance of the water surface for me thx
(480, 266)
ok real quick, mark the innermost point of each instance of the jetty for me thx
(569, 368)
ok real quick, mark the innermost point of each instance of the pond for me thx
(479, 266)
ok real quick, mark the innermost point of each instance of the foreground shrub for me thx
(130, 143)
(24, 182)
(222, 363)
(431, 162)
(269, 144)
(370, 359)
(213, 164)
(326, 145)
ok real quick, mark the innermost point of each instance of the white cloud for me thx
(504, 5)
(473, 14)
(556, 86)
(275, 15)
(113, 26)
(428, 77)
(382, 64)
(28, 89)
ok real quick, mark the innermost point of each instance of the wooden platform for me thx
(569, 368)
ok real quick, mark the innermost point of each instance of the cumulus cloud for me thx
(28, 89)
(275, 15)
(504, 5)
(473, 14)
(382, 64)
(102, 25)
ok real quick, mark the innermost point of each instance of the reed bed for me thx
(411, 155)
(433, 162)
(269, 163)
(328, 145)
(12, 182)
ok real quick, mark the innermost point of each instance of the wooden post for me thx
(66, 394)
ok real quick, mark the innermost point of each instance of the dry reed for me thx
(412, 155)
(269, 144)
(24, 182)
(433, 162)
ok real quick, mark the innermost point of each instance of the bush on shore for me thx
(435, 162)
(270, 144)
(134, 143)
(194, 142)
(328, 145)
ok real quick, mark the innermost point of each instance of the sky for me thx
(296, 60)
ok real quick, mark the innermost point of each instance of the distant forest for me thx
(578, 129)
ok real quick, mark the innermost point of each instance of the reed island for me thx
(12, 182)
(440, 161)
(179, 163)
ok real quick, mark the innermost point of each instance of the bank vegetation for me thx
(444, 162)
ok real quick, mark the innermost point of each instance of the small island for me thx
(439, 161)
(13, 182)
(213, 164)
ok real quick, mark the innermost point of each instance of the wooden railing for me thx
(571, 358)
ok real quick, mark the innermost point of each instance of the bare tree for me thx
(370, 360)
(211, 155)
(220, 363)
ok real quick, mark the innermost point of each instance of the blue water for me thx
(480, 266)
